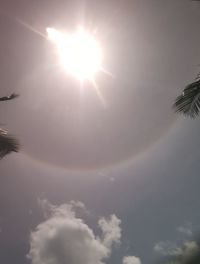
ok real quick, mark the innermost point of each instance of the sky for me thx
(114, 182)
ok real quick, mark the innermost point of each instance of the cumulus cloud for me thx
(189, 249)
(188, 253)
(111, 230)
(63, 238)
(182, 254)
(131, 260)
(70, 208)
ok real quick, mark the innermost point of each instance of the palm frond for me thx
(10, 97)
(8, 144)
(188, 103)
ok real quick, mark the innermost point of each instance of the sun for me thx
(80, 53)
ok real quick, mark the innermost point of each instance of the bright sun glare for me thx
(80, 53)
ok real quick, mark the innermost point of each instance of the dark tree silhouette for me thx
(188, 103)
(10, 97)
(8, 143)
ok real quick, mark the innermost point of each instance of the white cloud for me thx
(64, 238)
(131, 260)
(189, 249)
(165, 248)
(49, 209)
(178, 254)
(185, 229)
(111, 230)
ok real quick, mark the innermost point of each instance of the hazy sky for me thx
(99, 183)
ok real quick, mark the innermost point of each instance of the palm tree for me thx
(8, 143)
(188, 103)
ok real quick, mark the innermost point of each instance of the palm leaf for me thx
(10, 97)
(8, 144)
(188, 103)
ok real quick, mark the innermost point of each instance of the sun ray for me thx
(107, 72)
(98, 92)
(75, 51)
(26, 25)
